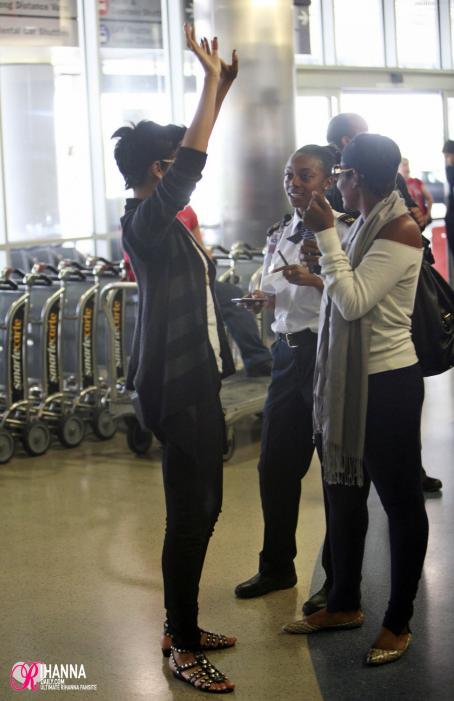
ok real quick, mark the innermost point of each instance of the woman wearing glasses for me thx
(369, 390)
(179, 354)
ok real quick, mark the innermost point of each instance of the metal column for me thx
(257, 126)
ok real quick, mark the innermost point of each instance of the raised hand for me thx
(229, 71)
(206, 52)
(319, 215)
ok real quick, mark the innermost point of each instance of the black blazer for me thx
(172, 364)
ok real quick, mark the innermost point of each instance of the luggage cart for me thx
(79, 327)
(242, 396)
(114, 302)
(18, 413)
(46, 389)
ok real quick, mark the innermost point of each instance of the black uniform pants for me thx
(392, 462)
(286, 450)
(192, 471)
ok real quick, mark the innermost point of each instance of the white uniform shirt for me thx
(296, 307)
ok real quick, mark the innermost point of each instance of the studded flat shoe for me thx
(212, 641)
(203, 674)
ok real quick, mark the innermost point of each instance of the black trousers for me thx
(392, 461)
(192, 471)
(286, 450)
(242, 326)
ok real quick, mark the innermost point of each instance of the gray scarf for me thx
(341, 372)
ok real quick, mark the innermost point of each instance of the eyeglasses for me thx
(167, 161)
(338, 170)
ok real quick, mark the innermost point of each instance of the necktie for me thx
(301, 232)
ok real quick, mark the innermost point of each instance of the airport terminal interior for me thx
(81, 487)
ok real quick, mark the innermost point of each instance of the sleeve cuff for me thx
(328, 241)
(190, 161)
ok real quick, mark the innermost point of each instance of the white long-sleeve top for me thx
(383, 286)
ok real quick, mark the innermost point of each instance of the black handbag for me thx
(433, 322)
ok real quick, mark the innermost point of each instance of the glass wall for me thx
(312, 114)
(73, 71)
(417, 36)
(45, 151)
(46, 165)
(451, 118)
(133, 81)
(359, 33)
(405, 118)
(392, 33)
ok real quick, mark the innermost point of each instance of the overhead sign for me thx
(40, 8)
(130, 24)
(38, 23)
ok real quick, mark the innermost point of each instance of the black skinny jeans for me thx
(192, 471)
(392, 461)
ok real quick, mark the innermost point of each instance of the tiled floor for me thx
(81, 581)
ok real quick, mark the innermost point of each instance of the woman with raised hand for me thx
(179, 354)
(368, 390)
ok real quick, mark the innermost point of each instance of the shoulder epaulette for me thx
(347, 219)
(279, 224)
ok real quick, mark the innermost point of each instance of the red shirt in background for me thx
(415, 186)
(188, 217)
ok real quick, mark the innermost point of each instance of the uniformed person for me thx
(294, 290)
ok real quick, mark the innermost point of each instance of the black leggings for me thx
(192, 471)
(392, 461)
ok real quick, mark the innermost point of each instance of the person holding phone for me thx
(294, 291)
(179, 354)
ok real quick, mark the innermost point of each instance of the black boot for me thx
(317, 601)
(262, 583)
(430, 484)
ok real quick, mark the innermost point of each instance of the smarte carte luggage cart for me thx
(18, 416)
(80, 334)
(242, 396)
(46, 388)
(117, 301)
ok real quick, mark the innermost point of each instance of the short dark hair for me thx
(325, 154)
(346, 124)
(448, 146)
(140, 145)
(376, 158)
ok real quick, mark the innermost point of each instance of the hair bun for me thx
(123, 133)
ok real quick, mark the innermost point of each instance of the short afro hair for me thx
(376, 158)
(140, 145)
(346, 124)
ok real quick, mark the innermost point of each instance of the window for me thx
(359, 33)
(45, 149)
(133, 81)
(312, 114)
(451, 117)
(206, 199)
(417, 33)
(452, 29)
(414, 121)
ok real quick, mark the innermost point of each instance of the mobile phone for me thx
(247, 300)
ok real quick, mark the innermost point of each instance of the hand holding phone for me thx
(248, 301)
